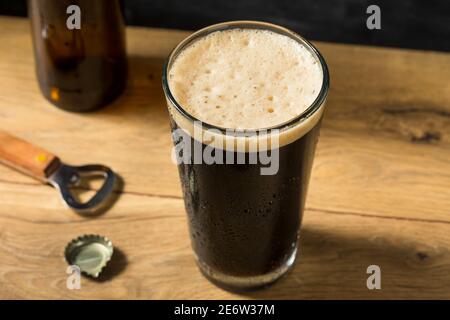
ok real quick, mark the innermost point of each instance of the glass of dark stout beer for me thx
(84, 67)
(240, 93)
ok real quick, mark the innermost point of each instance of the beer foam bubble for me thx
(245, 78)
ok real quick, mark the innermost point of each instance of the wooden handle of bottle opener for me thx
(27, 158)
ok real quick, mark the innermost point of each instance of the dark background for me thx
(417, 24)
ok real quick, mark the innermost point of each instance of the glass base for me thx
(233, 283)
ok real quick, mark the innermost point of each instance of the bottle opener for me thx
(48, 168)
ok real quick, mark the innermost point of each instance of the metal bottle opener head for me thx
(66, 176)
(46, 167)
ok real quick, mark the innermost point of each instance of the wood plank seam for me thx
(358, 214)
(326, 211)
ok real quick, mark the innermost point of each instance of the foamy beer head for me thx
(247, 77)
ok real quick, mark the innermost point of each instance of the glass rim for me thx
(247, 24)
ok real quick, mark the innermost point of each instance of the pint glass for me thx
(244, 225)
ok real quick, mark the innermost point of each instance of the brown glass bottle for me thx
(79, 69)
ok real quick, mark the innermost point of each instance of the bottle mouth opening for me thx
(256, 25)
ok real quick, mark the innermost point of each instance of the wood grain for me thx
(155, 261)
(379, 194)
(27, 158)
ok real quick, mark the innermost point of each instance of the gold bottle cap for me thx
(91, 253)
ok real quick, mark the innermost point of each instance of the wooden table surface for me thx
(379, 194)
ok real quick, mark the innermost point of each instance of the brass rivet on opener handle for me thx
(48, 168)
